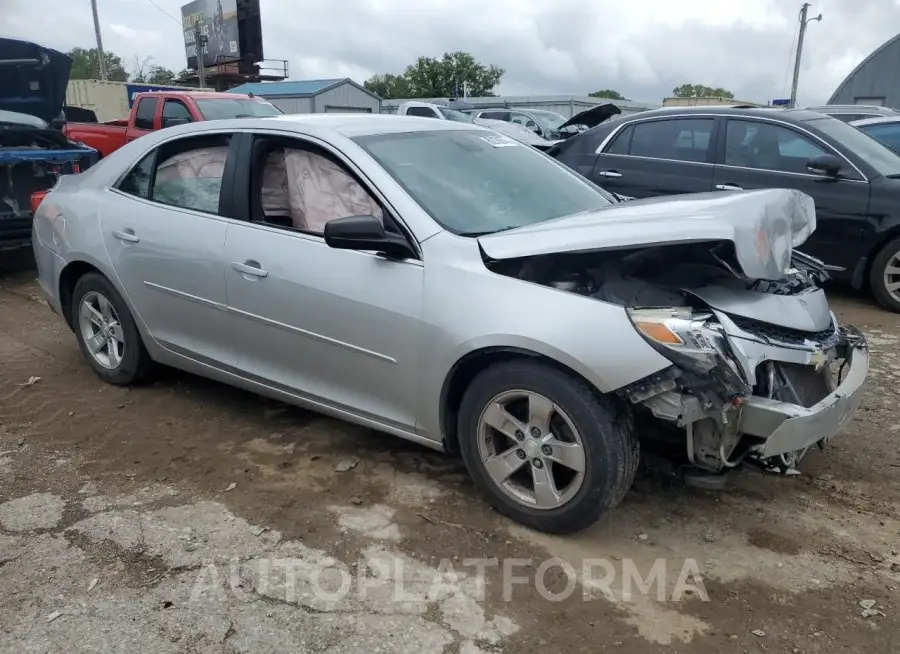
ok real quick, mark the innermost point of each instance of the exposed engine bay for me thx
(31, 159)
(748, 355)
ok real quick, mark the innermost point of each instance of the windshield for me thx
(549, 119)
(884, 160)
(886, 132)
(475, 182)
(453, 114)
(219, 108)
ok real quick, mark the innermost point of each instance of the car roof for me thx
(875, 121)
(349, 125)
(789, 115)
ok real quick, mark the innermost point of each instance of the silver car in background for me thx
(449, 285)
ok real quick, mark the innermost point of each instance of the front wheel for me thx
(884, 276)
(544, 448)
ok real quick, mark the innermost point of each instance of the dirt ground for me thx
(186, 516)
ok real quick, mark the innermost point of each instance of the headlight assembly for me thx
(680, 335)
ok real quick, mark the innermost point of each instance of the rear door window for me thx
(677, 139)
(186, 173)
(621, 144)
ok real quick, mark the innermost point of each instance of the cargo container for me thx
(109, 100)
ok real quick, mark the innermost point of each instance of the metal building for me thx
(315, 96)
(566, 105)
(876, 81)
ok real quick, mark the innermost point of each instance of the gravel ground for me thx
(186, 516)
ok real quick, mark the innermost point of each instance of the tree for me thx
(701, 91)
(160, 75)
(447, 77)
(608, 94)
(86, 65)
(140, 69)
(388, 87)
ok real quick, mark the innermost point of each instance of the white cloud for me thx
(642, 48)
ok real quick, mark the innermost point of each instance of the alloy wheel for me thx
(101, 330)
(892, 276)
(531, 449)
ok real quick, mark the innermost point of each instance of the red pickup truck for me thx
(159, 109)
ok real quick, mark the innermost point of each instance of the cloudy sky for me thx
(642, 48)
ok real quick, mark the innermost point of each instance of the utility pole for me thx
(100, 55)
(804, 21)
(200, 41)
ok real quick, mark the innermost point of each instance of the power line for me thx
(164, 11)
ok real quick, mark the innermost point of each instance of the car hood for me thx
(763, 225)
(593, 116)
(33, 78)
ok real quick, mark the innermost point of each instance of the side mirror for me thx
(826, 165)
(172, 122)
(365, 233)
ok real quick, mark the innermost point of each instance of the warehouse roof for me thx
(295, 88)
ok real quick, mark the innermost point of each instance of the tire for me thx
(132, 363)
(877, 276)
(607, 436)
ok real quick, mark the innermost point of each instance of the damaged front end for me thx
(760, 366)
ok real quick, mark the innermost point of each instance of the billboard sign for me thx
(781, 102)
(218, 24)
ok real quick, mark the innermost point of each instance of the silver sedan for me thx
(448, 285)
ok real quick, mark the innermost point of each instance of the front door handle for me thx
(609, 173)
(128, 236)
(249, 267)
(728, 187)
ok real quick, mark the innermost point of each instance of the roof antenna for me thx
(250, 93)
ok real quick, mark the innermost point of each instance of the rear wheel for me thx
(884, 276)
(544, 448)
(106, 332)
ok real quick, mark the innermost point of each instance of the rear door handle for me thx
(249, 267)
(609, 173)
(127, 236)
(728, 187)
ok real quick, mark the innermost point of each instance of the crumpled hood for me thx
(764, 226)
(33, 78)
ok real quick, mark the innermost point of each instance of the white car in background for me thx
(512, 130)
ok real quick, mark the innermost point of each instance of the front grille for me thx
(827, 338)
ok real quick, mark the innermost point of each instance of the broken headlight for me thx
(684, 337)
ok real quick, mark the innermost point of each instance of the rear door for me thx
(164, 230)
(661, 156)
(758, 153)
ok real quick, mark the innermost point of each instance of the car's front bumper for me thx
(789, 427)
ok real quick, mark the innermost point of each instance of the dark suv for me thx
(854, 180)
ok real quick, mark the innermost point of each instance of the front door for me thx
(338, 327)
(658, 157)
(758, 154)
(166, 242)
